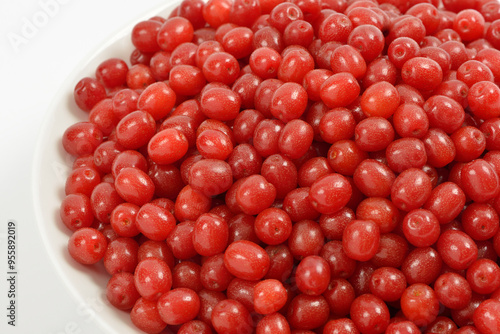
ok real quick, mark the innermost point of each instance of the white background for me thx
(41, 42)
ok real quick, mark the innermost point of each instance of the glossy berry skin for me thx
(483, 276)
(380, 99)
(306, 239)
(254, 194)
(157, 99)
(105, 154)
(210, 234)
(402, 326)
(144, 315)
(288, 102)
(88, 92)
(295, 138)
(344, 156)
(368, 40)
(295, 64)
(335, 27)
(214, 144)
(195, 326)
(220, 103)
(392, 251)
(265, 62)
(269, 296)
(121, 256)
(238, 42)
(490, 130)
(154, 222)
(360, 239)
(306, 312)
(453, 290)
(411, 189)
(341, 266)
(381, 210)
(186, 274)
(380, 69)
(439, 148)
(406, 153)
(124, 102)
(422, 265)
(178, 306)
(190, 204)
(444, 113)
(76, 212)
(242, 291)
(103, 200)
(422, 73)
(330, 193)
(103, 117)
(480, 221)
(134, 186)
(464, 317)
(173, 32)
(370, 314)
(221, 67)
(473, 71)
(152, 278)
(273, 323)
(345, 58)
(180, 240)
(420, 304)
(486, 316)
(312, 275)
(214, 275)
(281, 172)
(401, 50)
(139, 75)
(469, 142)
(266, 137)
(82, 138)
(373, 134)
(484, 100)
(121, 291)
(373, 178)
(167, 146)
(342, 325)
(283, 14)
(421, 228)
(82, 180)
(337, 124)
(281, 262)
(480, 181)
(339, 90)
(230, 315)
(87, 245)
(457, 249)
(246, 260)
(273, 226)
(129, 158)
(211, 177)
(387, 283)
(208, 300)
(144, 36)
(446, 202)
(186, 80)
(469, 24)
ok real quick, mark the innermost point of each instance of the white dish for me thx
(50, 169)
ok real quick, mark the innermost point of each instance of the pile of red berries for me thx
(307, 166)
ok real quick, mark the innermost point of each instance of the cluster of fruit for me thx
(301, 166)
